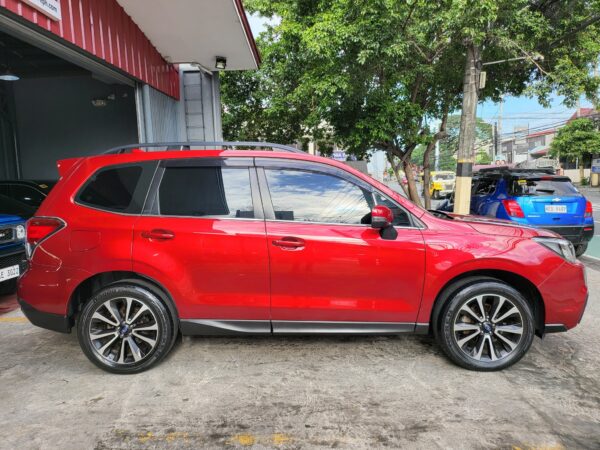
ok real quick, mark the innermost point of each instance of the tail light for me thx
(41, 228)
(513, 208)
(589, 211)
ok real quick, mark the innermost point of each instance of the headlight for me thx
(561, 246)
(20, 232)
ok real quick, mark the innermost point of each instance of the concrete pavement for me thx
(301, 392)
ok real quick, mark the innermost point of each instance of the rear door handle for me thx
(289, 243)
(158, 235)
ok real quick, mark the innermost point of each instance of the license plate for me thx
(555, 208)
(9, 272)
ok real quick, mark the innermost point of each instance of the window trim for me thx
(152, 207)
(273, 163)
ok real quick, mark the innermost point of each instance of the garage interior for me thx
(56, 109)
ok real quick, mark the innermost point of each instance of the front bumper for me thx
(565, 295)
(54, 322)
(12, 258)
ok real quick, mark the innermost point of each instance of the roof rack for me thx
(506, 169)
(188, 146)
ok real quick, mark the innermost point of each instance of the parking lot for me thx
(301, 392)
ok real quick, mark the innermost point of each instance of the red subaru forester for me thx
(134, 247)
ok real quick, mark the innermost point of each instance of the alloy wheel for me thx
(123, 330)
(488, 327)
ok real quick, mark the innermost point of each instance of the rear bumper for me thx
(54, 322)
(576, 234)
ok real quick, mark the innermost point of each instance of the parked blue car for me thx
(537, 198)
(12, 252)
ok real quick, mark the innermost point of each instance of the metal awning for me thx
(197, 31)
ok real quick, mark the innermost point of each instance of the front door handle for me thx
(289, 243)
(158, 235)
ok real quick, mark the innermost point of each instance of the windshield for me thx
(543, 187)
(444, 176)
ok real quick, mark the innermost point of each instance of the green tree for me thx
(576, 140)
(374, 74)
(449, 145)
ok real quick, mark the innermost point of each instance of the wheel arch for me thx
(529, 291)
(88, 287)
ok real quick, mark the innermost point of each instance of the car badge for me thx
(556, 199)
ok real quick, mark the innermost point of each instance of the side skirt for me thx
(334, 327)
(207, 327)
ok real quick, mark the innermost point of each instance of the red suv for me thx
(134, 247)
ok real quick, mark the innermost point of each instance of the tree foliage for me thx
(577, 139)
(374, 74)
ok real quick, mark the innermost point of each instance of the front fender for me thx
(450, 258)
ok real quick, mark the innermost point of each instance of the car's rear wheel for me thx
(486, 326)
(125, 329)
(580, 249)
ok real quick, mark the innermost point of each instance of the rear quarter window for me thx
(118, 188)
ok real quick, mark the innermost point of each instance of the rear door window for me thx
(485, 186)
(533, 187)
(213, 191)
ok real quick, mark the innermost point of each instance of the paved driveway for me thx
(302, 392)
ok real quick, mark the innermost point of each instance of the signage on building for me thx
(596, 165)
(50, 8)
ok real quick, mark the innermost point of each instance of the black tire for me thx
(580, 249)
(497, 352)
(8, 287)
(153, 322)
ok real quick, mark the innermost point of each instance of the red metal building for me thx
(79, 76)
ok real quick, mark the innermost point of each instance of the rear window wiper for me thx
(549, 191)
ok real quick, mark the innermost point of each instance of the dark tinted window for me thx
(485, 186)
(112, 188)
(401, 217)
(316, 197)
(542, 187)
(27, 195)
(206, 191)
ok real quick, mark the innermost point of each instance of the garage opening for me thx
(51, 109)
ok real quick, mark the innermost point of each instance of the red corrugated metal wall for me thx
(102, 28)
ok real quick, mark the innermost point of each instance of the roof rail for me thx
(188, 146)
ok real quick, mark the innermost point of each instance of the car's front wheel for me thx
(125, 329)
(486, 326)
(580, 249)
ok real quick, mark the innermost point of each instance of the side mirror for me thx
(381, 217)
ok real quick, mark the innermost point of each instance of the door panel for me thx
(218, 268)
(345, 273)
(204, 238)
(327, 263)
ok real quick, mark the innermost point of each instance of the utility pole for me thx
(499, 126)
(495, 138)
(466, 141)
(437, 156)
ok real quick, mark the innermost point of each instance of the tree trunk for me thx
(396, 169)
(441, 134)
(466, 138)
(413, 194)
(581, 170)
